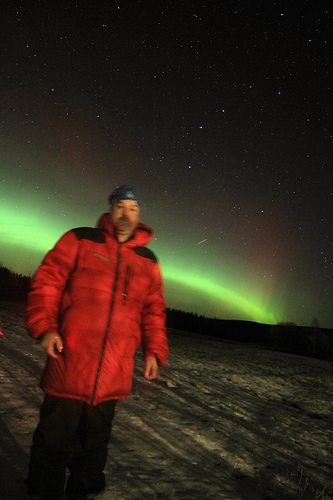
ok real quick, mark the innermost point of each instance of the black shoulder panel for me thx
(146, 253)
(89, 233)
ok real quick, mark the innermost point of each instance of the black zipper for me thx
(126, 284)
(107, 327)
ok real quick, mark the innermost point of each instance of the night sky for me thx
(218, 112)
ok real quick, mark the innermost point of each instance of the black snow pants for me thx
(71, 434)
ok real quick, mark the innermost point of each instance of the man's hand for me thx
(52, 344)
(151, 368)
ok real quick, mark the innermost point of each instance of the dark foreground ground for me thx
(222, 421)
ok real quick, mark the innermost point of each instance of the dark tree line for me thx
(243, 331)
(13, 286)
(284, 337)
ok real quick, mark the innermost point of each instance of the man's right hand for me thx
(52, 344)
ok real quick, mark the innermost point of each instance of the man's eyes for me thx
(132, 209)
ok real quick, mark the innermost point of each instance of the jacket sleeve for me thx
(154, 338)
(47, 286)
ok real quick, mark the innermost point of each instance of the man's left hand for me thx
(151, 368)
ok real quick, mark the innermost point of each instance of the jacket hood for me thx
(141, 236)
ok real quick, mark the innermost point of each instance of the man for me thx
(97, 295)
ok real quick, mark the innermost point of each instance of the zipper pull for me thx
(126, 284)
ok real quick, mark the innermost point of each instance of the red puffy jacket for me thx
(104, 298)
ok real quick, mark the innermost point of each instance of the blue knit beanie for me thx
(124, 193)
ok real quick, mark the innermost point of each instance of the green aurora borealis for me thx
(28, 233)
(196, 280)
(26, 236)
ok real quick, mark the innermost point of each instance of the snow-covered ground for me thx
(222, 421)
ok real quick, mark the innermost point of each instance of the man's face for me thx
(125, 214)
